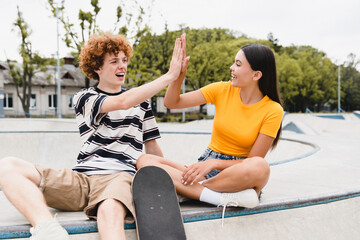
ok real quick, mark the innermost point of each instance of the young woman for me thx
(232, 170)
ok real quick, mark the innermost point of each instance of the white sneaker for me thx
(49, 230)
(182, 198)
(247, 198)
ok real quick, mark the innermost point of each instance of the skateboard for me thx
(157, 209)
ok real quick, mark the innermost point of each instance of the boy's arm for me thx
(152, 147)
(139, 94)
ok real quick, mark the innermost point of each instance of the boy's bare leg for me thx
(20, 181)
(110, 219)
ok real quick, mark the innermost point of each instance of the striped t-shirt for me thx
(113, 141)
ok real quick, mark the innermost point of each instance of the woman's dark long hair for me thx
(261, 58)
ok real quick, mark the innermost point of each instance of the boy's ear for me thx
(98, 71)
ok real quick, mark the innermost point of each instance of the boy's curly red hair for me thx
(93, 53)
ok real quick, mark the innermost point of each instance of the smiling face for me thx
(112, 73)
(242, 73)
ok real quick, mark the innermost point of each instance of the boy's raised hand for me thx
(176, 60)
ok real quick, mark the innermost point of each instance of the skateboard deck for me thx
(157, 209)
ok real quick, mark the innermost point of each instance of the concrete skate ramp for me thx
(313, 191)
(332, 116)
(357, 113)
(56, 144)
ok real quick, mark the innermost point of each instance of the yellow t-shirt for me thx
(237, 125)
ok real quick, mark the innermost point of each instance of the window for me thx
(8, 100)
(67, 76)
(71, 101)
(33, 101)
(52, 101)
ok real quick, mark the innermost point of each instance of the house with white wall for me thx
(44, 88)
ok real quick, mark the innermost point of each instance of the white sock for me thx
(210, 196)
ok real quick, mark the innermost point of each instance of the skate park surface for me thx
(313, 191)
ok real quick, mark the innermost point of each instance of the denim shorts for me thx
(210, 154)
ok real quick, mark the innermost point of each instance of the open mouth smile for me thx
(121, 75)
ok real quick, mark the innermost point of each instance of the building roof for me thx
(69, 74)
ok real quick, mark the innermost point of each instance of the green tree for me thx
(327, 82)
(350, 84)
(274, 41)
(314, 86)
(307, 77)
(290, 76)
(87, 24)
(143, 65)
(125, 18)
(31, 64)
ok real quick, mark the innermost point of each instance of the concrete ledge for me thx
(203, 212)
(194, 211)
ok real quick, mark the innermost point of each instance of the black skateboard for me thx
(157, 209)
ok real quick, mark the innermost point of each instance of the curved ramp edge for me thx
(201, 212)
(315, 148)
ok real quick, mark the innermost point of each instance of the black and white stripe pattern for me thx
(112, 141)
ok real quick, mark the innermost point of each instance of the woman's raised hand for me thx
(186, 59)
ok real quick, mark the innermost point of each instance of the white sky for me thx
(328, 25)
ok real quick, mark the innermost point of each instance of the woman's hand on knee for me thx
(196, 172)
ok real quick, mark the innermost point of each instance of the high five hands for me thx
(179, 61)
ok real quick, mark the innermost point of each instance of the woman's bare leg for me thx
(175, 171)
(251, 173)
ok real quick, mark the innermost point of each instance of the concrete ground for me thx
(316, 157)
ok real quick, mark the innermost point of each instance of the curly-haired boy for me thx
(115, 124)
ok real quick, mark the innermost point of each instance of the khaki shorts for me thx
(67, 190)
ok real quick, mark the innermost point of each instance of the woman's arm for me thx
(174, 100)
(139, 94)
(261, 146)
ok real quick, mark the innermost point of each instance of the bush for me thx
(178, 117)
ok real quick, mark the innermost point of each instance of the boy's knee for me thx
(111, 207)
(9, 165)
(141, 161)
(146, 160)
